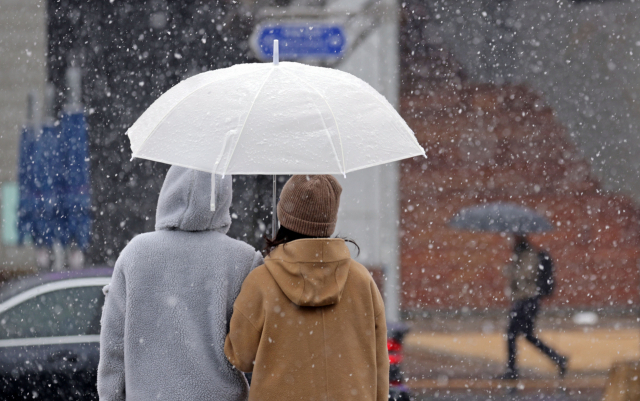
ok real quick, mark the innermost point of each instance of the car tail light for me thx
(395, 351)
(395, 359)
(394, 345)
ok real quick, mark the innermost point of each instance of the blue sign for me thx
(299, 40)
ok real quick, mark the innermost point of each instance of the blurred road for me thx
(589, 350)
(459, 359)
(507, 396)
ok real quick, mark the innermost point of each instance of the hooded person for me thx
(168, 305)
(309, 323)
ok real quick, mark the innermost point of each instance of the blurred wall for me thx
(489, 143)
(583, 58)
(22, 68)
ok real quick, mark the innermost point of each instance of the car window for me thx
(66, 312)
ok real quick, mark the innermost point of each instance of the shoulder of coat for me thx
(259, 277)
(359, 272)
(141, 243)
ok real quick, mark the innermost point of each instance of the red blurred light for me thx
(393, 345)
(395, 359)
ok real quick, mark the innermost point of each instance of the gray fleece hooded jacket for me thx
(168, 306)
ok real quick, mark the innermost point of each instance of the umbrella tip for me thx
(424, 153)
(276, 52)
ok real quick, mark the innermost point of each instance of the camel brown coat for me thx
(310, 325)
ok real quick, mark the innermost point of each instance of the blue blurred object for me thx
(55, 193)
(46, 175)
(75, 194)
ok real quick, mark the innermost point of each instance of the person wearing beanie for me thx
(309, 323)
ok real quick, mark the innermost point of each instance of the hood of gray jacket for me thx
(184, 202)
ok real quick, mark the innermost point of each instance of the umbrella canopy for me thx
(264, 118)
(500, 217)
(280, 118)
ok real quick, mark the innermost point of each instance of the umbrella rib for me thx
(412, 136)
(389, 107)
(244, 123)
(344, 165)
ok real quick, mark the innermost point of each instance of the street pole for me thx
(389, 176)
(274, 215)
(374, 193)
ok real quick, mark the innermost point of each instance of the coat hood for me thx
(311, 272)
(184, 202)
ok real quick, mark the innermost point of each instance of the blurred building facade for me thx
(490, 143)
(503, 117)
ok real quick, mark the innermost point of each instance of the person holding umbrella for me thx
(290, 118)
(529, 275)
(530, 272)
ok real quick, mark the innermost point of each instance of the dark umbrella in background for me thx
(26, 159)
(500, 217)
(75, 193)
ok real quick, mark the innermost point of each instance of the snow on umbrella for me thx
(273, 118)
(500, 217)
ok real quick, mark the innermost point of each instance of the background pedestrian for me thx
(530, 278)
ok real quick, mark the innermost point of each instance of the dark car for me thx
(50, 335)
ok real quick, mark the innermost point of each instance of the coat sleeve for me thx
(241, 344)
(245, 329)
(111, 375)
(382, 354)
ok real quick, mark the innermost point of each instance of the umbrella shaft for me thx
(274, 216)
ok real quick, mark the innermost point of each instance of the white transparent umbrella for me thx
(272, 118)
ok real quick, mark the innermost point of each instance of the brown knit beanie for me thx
(309, 204)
